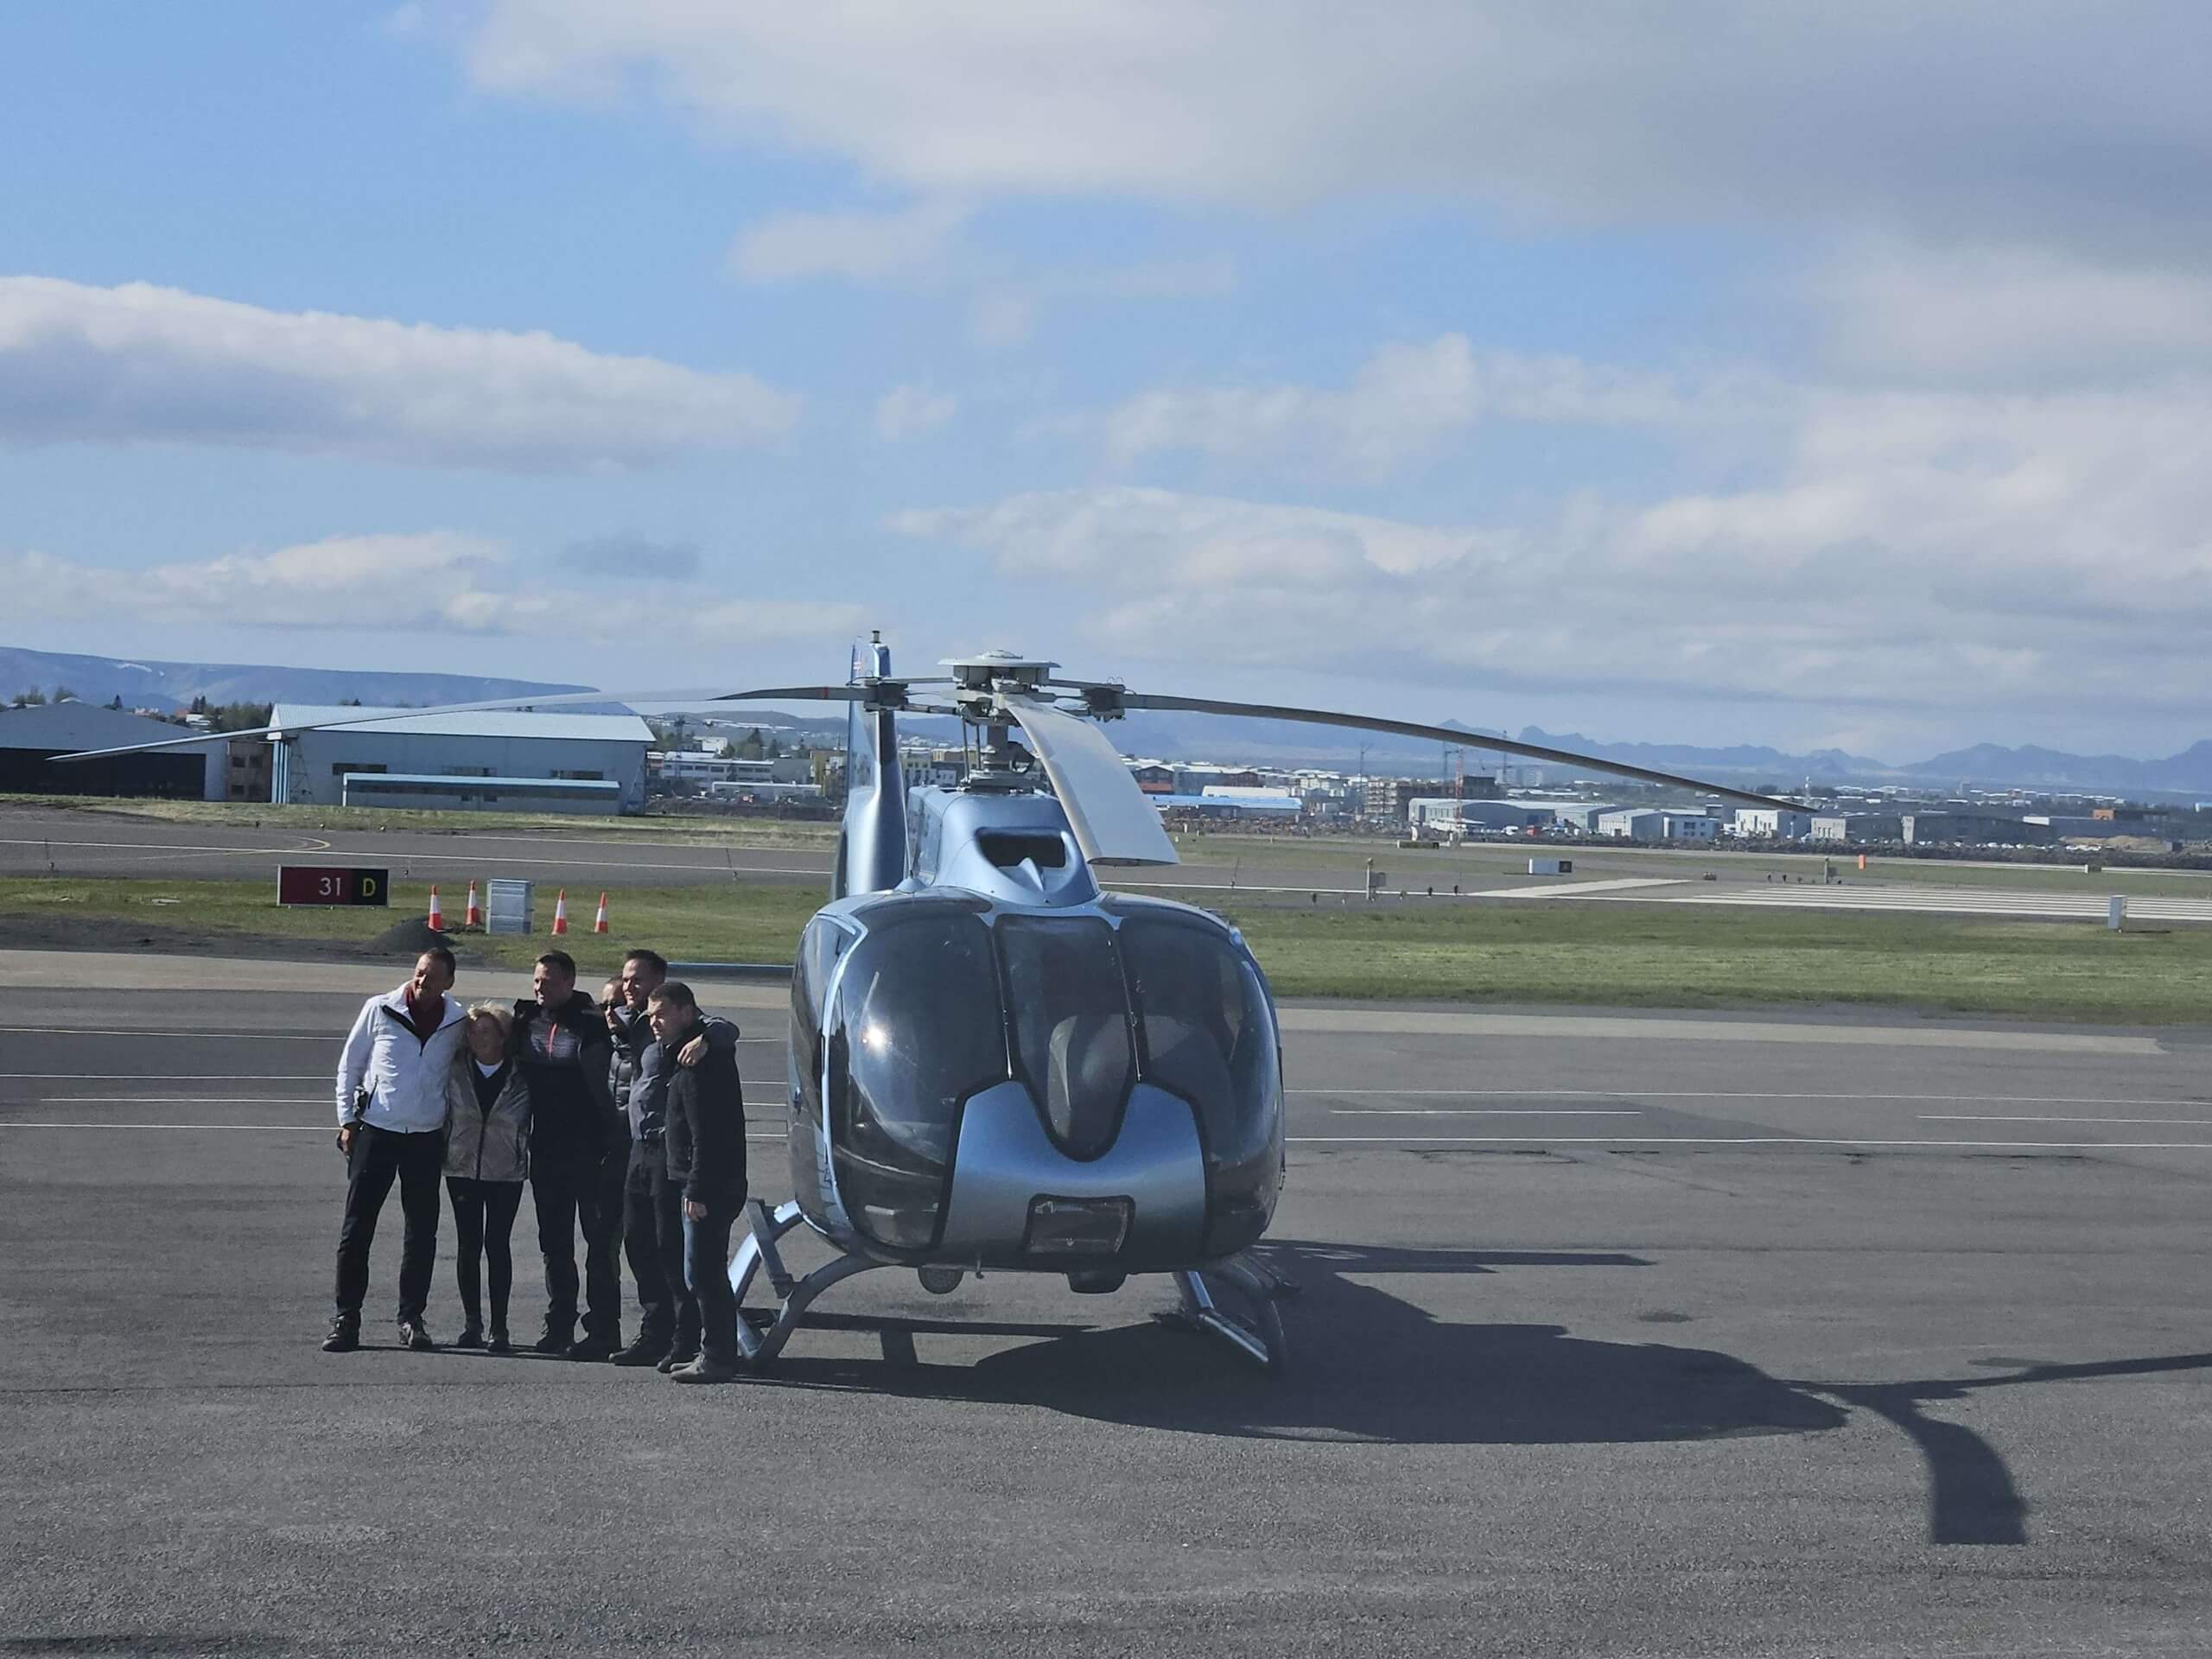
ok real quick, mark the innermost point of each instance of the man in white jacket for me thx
(391, 1122)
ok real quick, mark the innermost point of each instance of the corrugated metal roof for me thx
(589, 728)
(64, 726)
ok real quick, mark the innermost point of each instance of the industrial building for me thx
(31, 738)
(1856, 828)
(1952, 828)
(1771, 824)
(1445, 812)
(494, 761)
(1658, 824)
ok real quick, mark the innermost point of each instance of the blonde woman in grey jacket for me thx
(487, 1157)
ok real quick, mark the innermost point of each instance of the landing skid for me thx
(761, 1335)
(1257, 1336)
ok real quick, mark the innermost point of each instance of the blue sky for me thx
(1716, 372)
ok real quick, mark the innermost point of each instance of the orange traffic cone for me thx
(561, 913)
(475, 916)
(600, 925)
(437, 916)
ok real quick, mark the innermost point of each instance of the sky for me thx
(1719, 372)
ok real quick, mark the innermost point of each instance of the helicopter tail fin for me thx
(872, 851)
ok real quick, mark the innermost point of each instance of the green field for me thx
(1606, 955)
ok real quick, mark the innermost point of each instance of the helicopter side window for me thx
(819, 947)
(1072, 1039)
(1209, 1038)
(916, 1029)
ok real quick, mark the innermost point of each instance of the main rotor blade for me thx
(1452, 735)
(685, 699)
(1113, 820)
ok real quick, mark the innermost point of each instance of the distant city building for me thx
(1856, 828)
(1771, 824)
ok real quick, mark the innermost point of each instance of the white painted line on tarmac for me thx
(1736, 1094)
(1485, 1111)
(1562, 1026)
(249, 1128)
(250, 1036)
(1740, 1141)
(1994, 1118)
(164, 1078)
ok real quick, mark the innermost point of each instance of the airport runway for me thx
(1618, 1335)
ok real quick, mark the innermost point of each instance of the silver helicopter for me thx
(995, 1064)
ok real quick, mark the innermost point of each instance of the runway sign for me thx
(316, 884)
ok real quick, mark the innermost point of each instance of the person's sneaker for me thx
(499, 1344)
(556, 1340)
(412, 1334)
(344, 1337)
(471, 1337)
(646, 1351)
(675, 1360)
(704, 1369)
(592, 1348)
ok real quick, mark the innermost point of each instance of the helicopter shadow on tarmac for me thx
(1368, 1366)
(1365, 1366)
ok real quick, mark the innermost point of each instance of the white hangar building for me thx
(503, 761)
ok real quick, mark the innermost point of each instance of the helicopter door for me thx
(914, 1030)
(1209, 1037)
(812, 971)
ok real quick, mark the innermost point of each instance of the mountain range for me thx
(171, 685)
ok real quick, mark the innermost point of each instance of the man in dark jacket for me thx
(561, 1041)
(653, 1208)
(705, 1150)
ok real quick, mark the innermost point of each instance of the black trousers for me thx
(378, 1156)
(652, 1239)
(569, 1193)
(706, 1271)
(483, 1217)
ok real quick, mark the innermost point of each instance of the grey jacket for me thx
(486, 1145)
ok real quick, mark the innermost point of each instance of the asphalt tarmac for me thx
(1617, 1335)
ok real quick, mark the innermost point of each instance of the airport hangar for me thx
(498, 761)
(31, 738)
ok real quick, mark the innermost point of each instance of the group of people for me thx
(624, 1115)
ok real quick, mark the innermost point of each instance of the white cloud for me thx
(431, 581)
(907, 412)
(1404, 401)
(858, 247)
(2002, 559)
(1973, 118)
(140, 364)
(2011, 315)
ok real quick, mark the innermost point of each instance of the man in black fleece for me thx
(705, 1148)
(561, 1042)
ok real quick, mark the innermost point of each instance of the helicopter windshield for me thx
(917, 1031)
(1209, 1038)
(1070, 1021)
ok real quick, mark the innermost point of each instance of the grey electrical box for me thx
(506, 907)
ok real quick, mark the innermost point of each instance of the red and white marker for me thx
(475, 916)
(600, 925)
(561, 913)
(437, 916)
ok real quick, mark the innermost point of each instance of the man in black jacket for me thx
(704, 1146)
(561, 1041)
(652, 1209)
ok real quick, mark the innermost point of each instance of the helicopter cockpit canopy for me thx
(905, 1009)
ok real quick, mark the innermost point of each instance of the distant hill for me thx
(148, 685)
(1167, 736)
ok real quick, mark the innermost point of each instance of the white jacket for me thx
(405, 1075)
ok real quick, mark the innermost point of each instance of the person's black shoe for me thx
(592, 1348)
(646, 1351)
(556, 1340)
(680, 1356)
(471, 1337)
(344, 1337)
(412, 1335)
(499, 1344)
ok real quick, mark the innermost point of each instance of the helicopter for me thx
(995, 1063)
